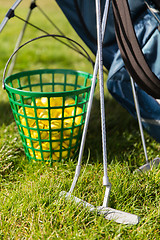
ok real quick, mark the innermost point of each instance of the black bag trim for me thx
(130, 50)
(157, 4)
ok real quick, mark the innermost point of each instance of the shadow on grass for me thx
(6, 113)
(123, 137)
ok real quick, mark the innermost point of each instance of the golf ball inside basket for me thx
(51, 128)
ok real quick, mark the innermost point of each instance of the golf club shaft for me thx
(139, 117)
(78, 168)
(101, 84)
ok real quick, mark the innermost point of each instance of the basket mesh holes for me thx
(14, 108)
(70, 87)
(24, 83)
(88, 82)
(28, 89)
(82, 98)
(31, 83)
(71, 79)
(46, 87)
(28, 101)
(30, 144)
(71, 82)
(59, 82)
(25, 131)
(42, 124)
(71, 99)
(15, 83)
(17, 97)
(46, 78)
(56, 102)
(45, 146)
(81, 81)
(59, 78)
(36, 88)
(68, 123)
(69, 111)
(58, 88)
(35, 79)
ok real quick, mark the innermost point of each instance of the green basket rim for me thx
(40, 94)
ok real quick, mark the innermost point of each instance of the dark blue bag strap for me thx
(131, 51)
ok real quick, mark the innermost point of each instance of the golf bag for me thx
(126, 53)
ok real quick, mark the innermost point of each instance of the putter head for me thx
(150, 165)
(109, 213)
(118, 216)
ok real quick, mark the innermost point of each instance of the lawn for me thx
(30, 204)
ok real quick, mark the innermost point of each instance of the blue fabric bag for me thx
(146, 21)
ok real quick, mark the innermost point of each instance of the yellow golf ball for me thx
(41, 125)
(73, 142)
(75, 131)
(46, 154)
(69, 101)
(31, 122)
(69, 110)
(56, 128)
(44, 114)
(67, 124)
(55, 112)
(56, 101)
(34, 143)
(56, 124)
(25, 130)
(43, 128)
(78, 118)
(31, 152)
(38, 156)
(44, 135)
(28, 111)
(64, 151)
(44, 101)
(38, 104)
(61, 115)
(45, 146)
(34, 133)
(54, 157)
(55, 143)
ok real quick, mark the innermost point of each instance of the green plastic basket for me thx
(49, 107)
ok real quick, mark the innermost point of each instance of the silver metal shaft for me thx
(5, 20)
(139, 118)
(78, 168)
(19, 40)
(103, 124)
(155, 162)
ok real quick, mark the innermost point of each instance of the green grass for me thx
(30, 205)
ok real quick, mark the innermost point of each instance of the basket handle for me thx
(37, 38)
